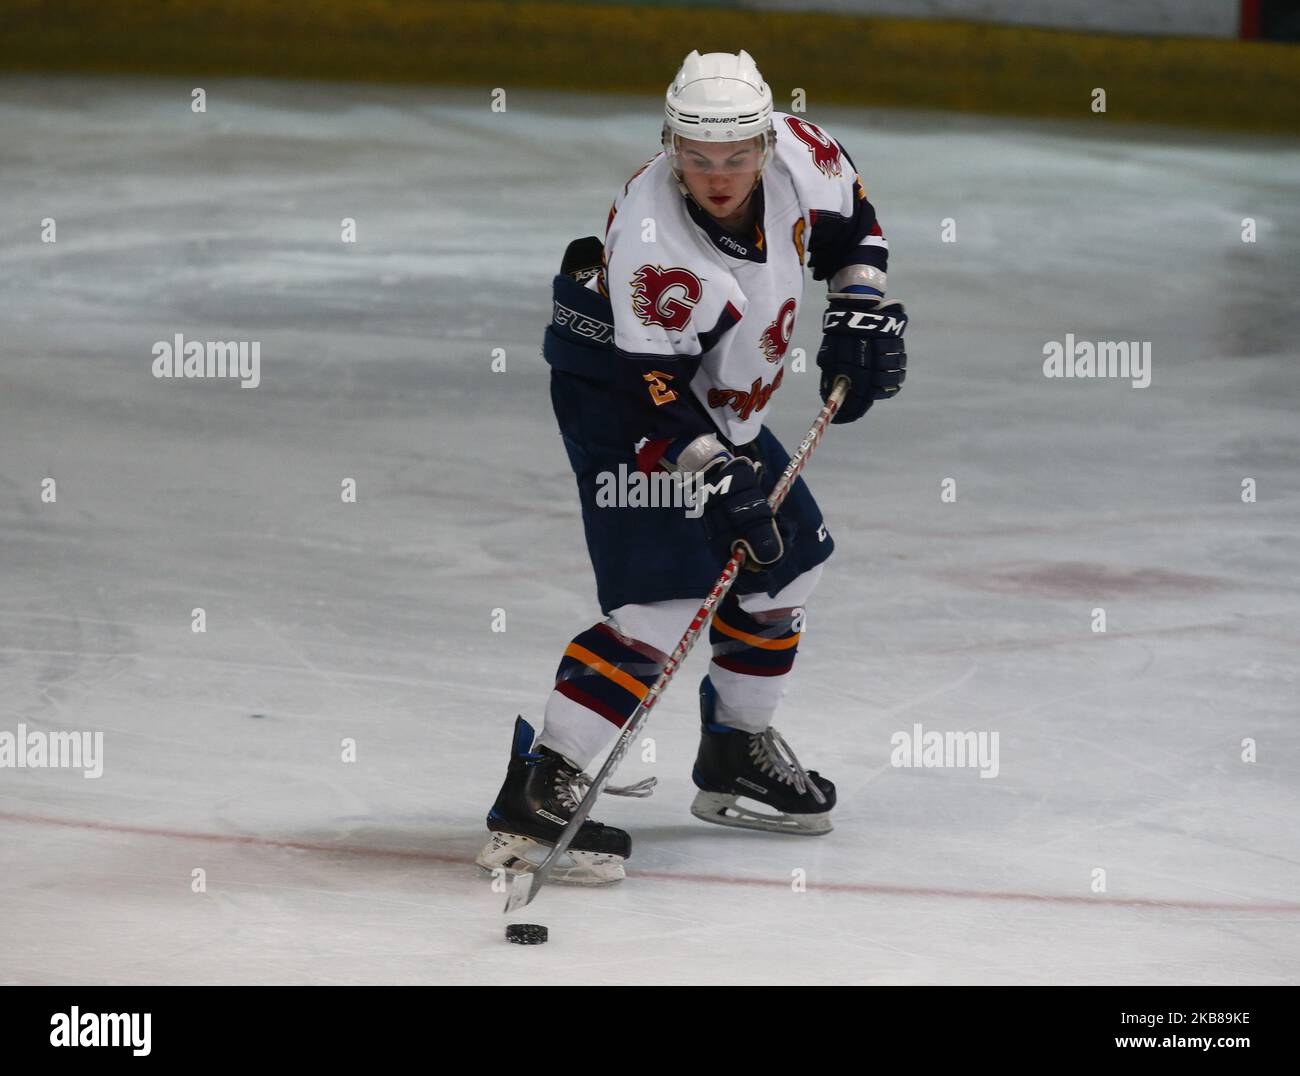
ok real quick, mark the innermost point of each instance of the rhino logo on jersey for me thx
(776, 337)
(825, 150)
(665, 296)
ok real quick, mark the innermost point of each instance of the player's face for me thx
(720, 175)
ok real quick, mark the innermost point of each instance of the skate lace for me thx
(570, 787)
(773, 757)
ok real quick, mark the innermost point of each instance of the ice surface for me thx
(373, 621)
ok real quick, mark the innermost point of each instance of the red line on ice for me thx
(864, 888)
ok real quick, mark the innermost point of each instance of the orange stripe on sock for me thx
(611, 672)
(755, 640)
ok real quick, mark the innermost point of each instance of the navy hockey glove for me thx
(863, 341)
(736, 512)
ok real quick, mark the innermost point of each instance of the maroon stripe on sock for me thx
(576, 694)
(732, 665)
(644, 649)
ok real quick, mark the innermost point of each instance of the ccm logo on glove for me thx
(863, 342)
(862, 321)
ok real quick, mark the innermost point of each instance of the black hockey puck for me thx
(526, 933)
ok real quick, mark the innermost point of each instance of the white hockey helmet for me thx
(718, 97)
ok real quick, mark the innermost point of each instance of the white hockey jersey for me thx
(705, 316)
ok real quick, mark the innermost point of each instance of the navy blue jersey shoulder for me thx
(836, 240)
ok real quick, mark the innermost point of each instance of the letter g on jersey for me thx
(665, 296)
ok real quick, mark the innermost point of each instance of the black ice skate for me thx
(761, 767)
(541, 792)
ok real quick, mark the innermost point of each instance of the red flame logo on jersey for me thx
(825, 151)
(665, 296)
(776, 337)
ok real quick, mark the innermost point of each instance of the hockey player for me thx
(667, 349)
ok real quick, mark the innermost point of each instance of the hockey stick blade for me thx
(525, 887)
(520, 894)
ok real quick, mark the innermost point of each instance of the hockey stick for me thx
(524, 887)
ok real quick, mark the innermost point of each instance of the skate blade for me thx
(513, 854)
(722, 809)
